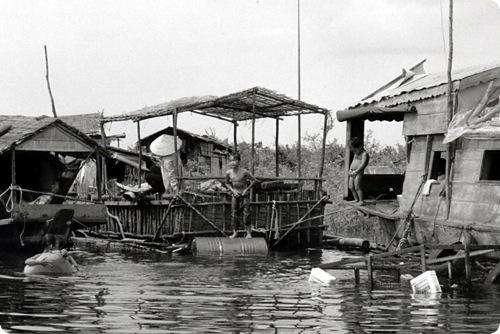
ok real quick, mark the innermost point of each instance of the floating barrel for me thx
(353, 243)
(229, 246)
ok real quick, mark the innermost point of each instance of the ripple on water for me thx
(121, 293)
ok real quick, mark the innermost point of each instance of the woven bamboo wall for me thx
(290, 206)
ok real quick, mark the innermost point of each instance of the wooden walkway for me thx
(412, 257)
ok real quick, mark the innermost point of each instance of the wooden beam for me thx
(13, 165)
(104, 166)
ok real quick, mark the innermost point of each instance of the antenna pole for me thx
(299, 125)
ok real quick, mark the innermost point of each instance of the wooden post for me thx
(299, 125)
(235, 136)
(370, 271)
(104, 166)
(276, 145)
(450, 271)
(423, 264)
(176, 161)
(140, 153)
(323, 151)
(468, 268)
(13, 165)
(98, 174)
(13, 181)
(356, 276)
(253, 134)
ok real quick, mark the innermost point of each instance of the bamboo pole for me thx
(235, 136)
(140, 153)
(323, 151)
(163, 221)
(202, 216)
(450, 109)
(253, 132)
(48, 82)
(104, 169)
(98, 174)
(176, 151)
(276, 145)
(13, 165)
(299, 123)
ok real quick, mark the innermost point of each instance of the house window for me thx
(490, 168)
(438, 168)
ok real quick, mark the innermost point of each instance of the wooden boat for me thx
(287, 211)
(451, 188)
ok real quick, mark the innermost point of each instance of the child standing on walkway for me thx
(358, 165)
(239, 181)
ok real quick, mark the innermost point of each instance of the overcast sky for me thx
(120, 56)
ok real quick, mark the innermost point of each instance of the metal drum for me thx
(234, 246)
(353, 243)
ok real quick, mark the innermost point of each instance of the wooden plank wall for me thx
(430, 118)
(473, 200)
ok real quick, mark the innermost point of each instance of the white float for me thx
(50, 262)
(318, 275)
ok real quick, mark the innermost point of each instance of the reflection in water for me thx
(156, 293)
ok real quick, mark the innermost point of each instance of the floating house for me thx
(39, 159)
(451, 188)
(207, 154)
(288, 211)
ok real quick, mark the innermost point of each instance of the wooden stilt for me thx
(276, 145)
(323, 150)
(468, 268)
(370, 271)
(356, 276)
(176, 150)
(422, 259)
(253, 134)
(235, 136)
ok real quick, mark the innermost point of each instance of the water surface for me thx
(159, 293)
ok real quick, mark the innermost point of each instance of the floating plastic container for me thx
(426, 283)
(318, 275)
(236, 246)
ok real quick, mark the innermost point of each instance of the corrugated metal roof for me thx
(418, 87)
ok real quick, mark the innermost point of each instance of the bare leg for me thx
(246, 216)
(352, 189)
(357, 186)
(234, 216)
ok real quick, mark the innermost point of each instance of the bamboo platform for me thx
(289, 219)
